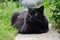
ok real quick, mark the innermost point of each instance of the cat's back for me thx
(19, 22)
(22, 14)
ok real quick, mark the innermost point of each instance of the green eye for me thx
(36, 14)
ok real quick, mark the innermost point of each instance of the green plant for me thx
(7, 32)
(55, 9)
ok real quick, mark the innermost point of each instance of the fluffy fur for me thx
(31, 21)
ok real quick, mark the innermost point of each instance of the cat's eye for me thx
(36, 14)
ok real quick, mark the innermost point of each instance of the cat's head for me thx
(35, 13)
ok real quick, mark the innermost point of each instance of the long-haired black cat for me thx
(31, 21)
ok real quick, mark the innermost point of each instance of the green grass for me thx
(7, 32)
(47, 14)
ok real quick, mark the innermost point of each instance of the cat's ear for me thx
(41, 9)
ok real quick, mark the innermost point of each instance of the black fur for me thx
(31, 21)
(14, 17)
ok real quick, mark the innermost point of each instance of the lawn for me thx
(7, 32)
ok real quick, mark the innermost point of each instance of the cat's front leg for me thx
(24, 30)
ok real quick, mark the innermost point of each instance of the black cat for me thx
(31, 21)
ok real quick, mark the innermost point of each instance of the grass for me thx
(48, 14)
(7, 32)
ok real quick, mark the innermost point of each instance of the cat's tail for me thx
(14, 17)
